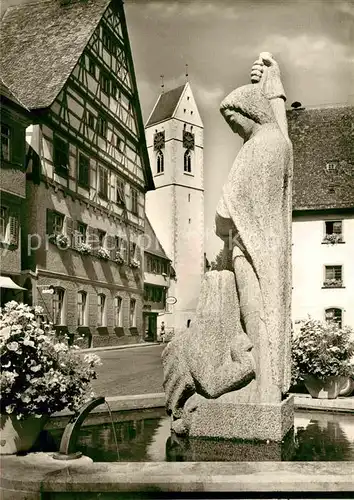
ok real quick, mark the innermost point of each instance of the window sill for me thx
(332, 243)
(84, 186)
(189, 173)
(329, 287)
(158, 174)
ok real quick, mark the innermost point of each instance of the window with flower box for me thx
(81, 309)
(333, 277)
(334, 314)
(333, 232)
(58, 306)
(101, 309)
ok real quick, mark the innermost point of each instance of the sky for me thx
(312, 40)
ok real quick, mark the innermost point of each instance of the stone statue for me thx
(238, 349)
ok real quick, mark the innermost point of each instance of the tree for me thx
(217, 264)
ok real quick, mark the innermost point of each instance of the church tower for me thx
(174, 135)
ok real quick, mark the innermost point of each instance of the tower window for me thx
(334, 314)
(188, 161)
(159, 162)
(189, 197)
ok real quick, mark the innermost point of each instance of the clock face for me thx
(159, 140)
(188, 140)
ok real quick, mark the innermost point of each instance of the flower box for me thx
(84, 248)
(333, 238)
(60, 240)
(332, 283)
(134, 264)
(102, 253)
(119, 259)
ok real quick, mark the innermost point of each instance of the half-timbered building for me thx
(87, 165)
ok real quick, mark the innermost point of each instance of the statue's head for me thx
(245, 107)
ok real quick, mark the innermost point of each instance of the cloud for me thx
(345, 7)
(194, 10)
(208, 95)
(303, 51)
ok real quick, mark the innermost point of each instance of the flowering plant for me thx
(332, 238)
(61, 241)
(135, 264)
(333, 282)
(102, 253)
(84, 248)
(323, 350)
(119, 258)
(40, 375)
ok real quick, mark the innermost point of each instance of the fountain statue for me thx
(228, 375)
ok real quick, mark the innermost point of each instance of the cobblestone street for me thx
(136, 370)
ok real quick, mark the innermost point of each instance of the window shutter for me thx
(49, 222)
(14, 229)
(70, 231)
(111, 247)
(337, 227)
(125, 249)
(138, 253)
(17, 146)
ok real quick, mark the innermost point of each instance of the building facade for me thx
(174, 134)
(87, 167)
(157, 279)
(14, 120)
(323, 213)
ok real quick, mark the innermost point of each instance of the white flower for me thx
(38, 310)
(10, 409)
(25, 398)
(36, 368)
(13, 346)
(5, 332)
(38, 416)
(28, 342)
(7, 365)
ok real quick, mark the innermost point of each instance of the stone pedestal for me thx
(217, 418)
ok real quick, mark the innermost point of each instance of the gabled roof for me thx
(153, 245)
(41, 43)
(323, 144)
(165, 106)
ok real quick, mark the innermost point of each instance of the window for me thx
(118, 311)
(92, 68)
(114, 89)
(101, 309)
(334, 314)
(101, 237)
(103, 183)
(120, 188)
(188, 161)
(102, 126)
(132, 315)
(105, 83)
(132, 249)
(3, 223)
(81, 308)
(81, 232)
(58, 306)
(58, 223)
(84, 170)
(91, 120)
(333, 276)
(107, 39)
(159, 162)
(333, 231)
(5, 142)
(134, 193)
(61, 156)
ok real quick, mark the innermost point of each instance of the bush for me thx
(40, 375)
(323, 350)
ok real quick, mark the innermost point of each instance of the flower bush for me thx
(332, 238)
(84, 248)
(102, 253)
(61, 241)
(333, 282)
(135, 264)
(119, 258)
(40, 374)
(323, 350)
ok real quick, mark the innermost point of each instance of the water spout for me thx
(71, 432)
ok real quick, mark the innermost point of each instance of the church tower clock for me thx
(174, 134)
